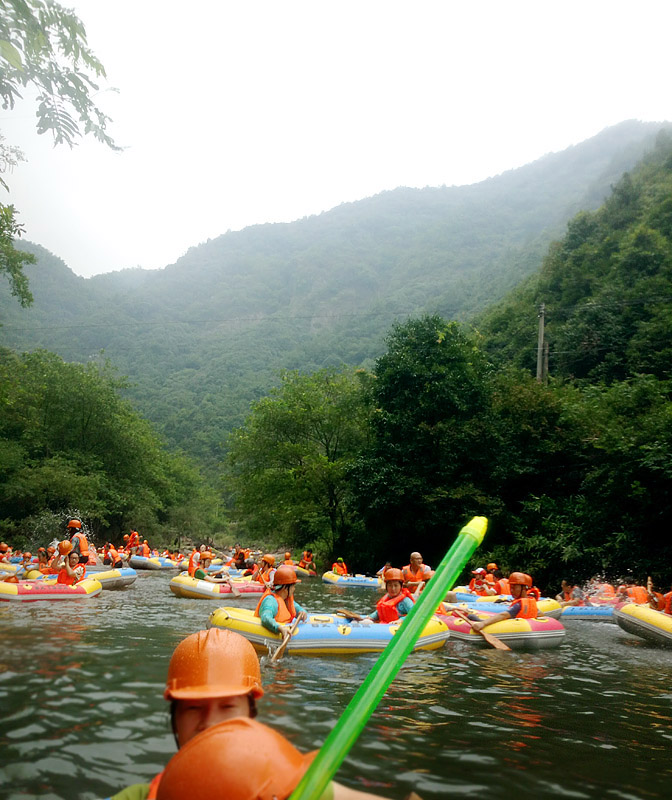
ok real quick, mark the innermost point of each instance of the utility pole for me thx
(540, 345)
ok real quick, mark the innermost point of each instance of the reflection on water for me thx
(82, 710)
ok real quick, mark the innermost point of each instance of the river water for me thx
(82, 713)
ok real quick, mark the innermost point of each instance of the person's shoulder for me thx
(138, 791)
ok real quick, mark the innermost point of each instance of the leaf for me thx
(11, 54)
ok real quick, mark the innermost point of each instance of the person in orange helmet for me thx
(396, 602)
(480, 585)
(522, 606)
(213, 676)
(276, 607)
(71, 571)
(266, 570)
(288, 559)
(80, 544)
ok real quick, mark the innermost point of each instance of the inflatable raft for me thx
(28, 591)
(547, 606)
(110, 579)
(539, 633)
(324, 634)
(305, 573)
(185, 586)
(603, 613)
(155, 562)
(642, 621)
(352, 580)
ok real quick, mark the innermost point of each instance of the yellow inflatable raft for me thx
(324, 634)
(185, 586)
(642, 621)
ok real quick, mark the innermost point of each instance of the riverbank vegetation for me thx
(389, 454)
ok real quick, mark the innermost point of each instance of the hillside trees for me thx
(68, 441)
(424, 471)
(43, 47)
(288, 464)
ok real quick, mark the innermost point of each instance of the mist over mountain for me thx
(206, 335)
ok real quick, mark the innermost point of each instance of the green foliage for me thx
(289, 463)
(43, 46)
(67, 439)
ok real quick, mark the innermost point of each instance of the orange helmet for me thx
(285, 576)
(213, 663)
(51, 550)
(64, 547)
(126, 537)
(27, 554)
(206, 554)
(269, 559)
(394, 575)
(520, 579)
(288, 554)
(278, 765)
(492, 565)
(74, 523)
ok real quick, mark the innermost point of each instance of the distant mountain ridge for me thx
(206, 335)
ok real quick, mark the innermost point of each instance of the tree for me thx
(288, 464)
(425, 470)
(43, 46)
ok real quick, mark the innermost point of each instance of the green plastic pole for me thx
(362, 705)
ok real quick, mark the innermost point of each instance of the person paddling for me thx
(523, 606)
(276, 607)
(396, 603)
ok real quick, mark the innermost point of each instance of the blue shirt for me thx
(267, 611)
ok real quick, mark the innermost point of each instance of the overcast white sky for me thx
(239, 112)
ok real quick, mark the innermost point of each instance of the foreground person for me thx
(396, 603)
(213, 680)
(522, 607)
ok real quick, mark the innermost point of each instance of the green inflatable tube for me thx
(362, 705)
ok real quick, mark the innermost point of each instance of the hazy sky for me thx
(236, 113)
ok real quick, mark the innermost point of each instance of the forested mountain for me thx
(203, 337)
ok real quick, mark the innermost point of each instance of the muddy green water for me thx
(82, 714)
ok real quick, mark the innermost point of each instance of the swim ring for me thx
(110, 579)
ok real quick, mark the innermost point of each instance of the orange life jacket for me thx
(479, 588)
(490, 578)
(306, 561)
(193, 562)
(289, 562)
(69, 580)
(146, 551)
(638, 594)
(134, 539)
(387, 606)
(339, 568)
(568, 596)
(534, 592)
(668, 603)
(410, 575)
(528, 608)
(606, 589)
(502, 586)
(286, 611)
(83, 543)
